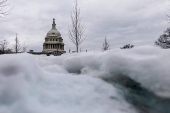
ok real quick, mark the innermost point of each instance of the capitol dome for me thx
(53, 41)
(53, 32)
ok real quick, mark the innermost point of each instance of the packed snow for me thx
(72, 83)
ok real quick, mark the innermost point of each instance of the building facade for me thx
(53, 41)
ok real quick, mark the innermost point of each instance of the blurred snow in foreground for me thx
(71, 83)
(27, 87)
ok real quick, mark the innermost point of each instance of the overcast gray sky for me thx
(138, 22)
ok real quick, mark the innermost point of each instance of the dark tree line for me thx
(127, 46)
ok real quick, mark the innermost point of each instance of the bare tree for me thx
(3, 10)
(76, 30)
(17, 46)
(24, 48)
(3, 45)
(164, 40)
(167, 18)
(105, 45)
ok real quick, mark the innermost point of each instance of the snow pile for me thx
(41, 84)
(72, 83)
(147, 65)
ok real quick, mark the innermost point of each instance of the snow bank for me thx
(147, 65)
(41, 84)
(71, 83)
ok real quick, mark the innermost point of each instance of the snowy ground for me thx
(74, 83)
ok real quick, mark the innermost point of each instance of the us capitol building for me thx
(53, 41)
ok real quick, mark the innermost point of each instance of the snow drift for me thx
(147, 65)
(36, 84)
(72, 83)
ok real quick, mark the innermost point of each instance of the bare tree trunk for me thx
(77, 48)
(77, 29)
(17, 45)
(16, 41)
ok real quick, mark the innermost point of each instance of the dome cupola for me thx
(53, 31)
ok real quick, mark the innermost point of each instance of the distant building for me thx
(53, 41)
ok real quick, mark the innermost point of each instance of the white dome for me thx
(53, 32)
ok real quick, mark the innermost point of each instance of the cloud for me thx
(121, 21)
